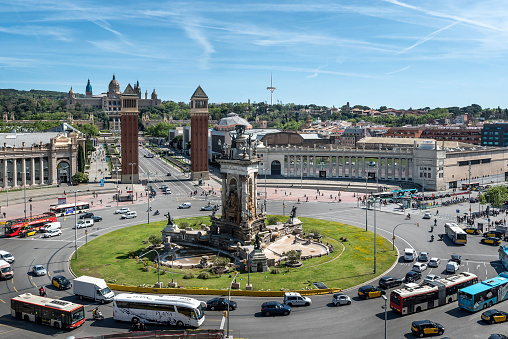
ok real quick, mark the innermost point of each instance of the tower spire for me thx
(271, 89)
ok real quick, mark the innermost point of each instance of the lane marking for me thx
(4, 303)
(222, 323)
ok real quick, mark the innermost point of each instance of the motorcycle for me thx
(97, 314)
(432, 237)
(42, 292)
(156, 212)
(408, 217)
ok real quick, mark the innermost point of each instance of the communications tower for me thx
(271, 89)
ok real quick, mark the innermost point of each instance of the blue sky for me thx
(398, 53)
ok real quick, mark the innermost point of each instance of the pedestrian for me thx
(4, 215)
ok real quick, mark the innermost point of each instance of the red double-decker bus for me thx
(18, 226)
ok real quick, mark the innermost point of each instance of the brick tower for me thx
(129, 122)
(199, 135)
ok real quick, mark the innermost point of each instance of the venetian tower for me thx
(129, 120)
(199, 134)
(241, 218)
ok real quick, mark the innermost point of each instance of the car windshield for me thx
(105, 291)
(8, 255)
(5, 269)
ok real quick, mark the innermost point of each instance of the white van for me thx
(51, 226)
(452, 266)
(296, 299)
(409, 254)
(4, 255)
(6, 271)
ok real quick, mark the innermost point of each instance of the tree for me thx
(496, 196)
(221, 261)
(293, 256)
(80, 177)
(81, 159)
(89, 129)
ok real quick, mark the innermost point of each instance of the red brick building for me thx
(199, 135)
(469, 135)
(129, 122)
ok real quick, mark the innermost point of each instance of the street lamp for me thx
(375, 234)
(148, 182)
(386, 309)
(131, 164)
(24, 189)
(158, 265)
(366, 203)
(393, 232)
(75, 224)
(229, 300)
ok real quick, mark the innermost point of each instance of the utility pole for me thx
(469, 186)
(366, 204)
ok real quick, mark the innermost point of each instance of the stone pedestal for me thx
(172, 284)
(248, 287)
(159, 285)
(258, 261)
(235, 286)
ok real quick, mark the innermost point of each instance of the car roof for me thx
(455, 256)
(366, 286)
(271, 303)
(423, 252)
(37, 266)
(412, 272)
(421, 322)
(490, 312)
(434, 258)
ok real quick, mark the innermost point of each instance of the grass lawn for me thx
(108, 257)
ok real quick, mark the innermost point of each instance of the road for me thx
(362, 319)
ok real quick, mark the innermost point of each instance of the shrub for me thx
(315, 232)
(188, 275)
(155, 239)
(293, 256)
(275, 271)
(272, 220)
(146, 268)
(204, 275)
(184, 225)
(146, 263)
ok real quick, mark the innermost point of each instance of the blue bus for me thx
(485, 294)
(503, 256)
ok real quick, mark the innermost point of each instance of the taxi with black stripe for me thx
(369, 291)
(494, 316)
(472, 230)
(493, 234)
(491, 241)
(421, 328)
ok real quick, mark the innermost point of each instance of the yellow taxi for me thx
(369, 291)
(27, 233)
(471, 230)
(494, 316)
(421, 328)
(494, 234)
(491, 241)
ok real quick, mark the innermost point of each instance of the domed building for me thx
(110, 101)
(230, 121)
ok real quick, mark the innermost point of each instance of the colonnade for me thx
(18, 172)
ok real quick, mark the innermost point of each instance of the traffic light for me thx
(245, 261)
(417, 224)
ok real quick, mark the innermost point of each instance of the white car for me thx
(340, 299)
(427, 216)
(419, 267)
(52, 233)
(424, 256)
(208, 207)
(434, 262)
(84, 223)
(39, 270)
(185, 205)
(122, 210)
(129, 215)
(431, 277)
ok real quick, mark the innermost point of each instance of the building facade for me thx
(129, 140)
(199, 135)
(495, 135)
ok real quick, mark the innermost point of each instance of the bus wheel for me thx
(490, 303)
(26, 318)
(56, 324)
(418, 309)
(450, 300)
(179, 324)
(485, 306)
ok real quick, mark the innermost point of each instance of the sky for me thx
(394, 53)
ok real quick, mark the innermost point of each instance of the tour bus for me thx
(68, 209)
(436, 293)
(159, 309)
(503, 256)
(455, 233)
(17, 227)
(484, 294)
(52, 312)
(6, 271)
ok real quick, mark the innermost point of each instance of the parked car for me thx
(220, 304)
(413, 276)
(430, 278)
(456, 258)
(52, 233)
(39, 270)
(389, 282)
(86, 215)
(494, 316)
(96, 218)
(129, 215)
(61, 282)
(427, 216)
(424, 256)
(122, 210)
(491, 241)
(369, 291)
(208, 207)
(419, 267)
(185, 205)
(421, 328)
(434, 262)
(340, 299)
(275, 308)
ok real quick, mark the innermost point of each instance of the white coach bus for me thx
(159, 309)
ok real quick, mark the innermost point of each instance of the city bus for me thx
(16, 227)
(455, 233)
(404, 193)
(503, 256)
(429, 295)
(159, 309)
(383, 195)
(68, 209)
(52, 312)
(484, 294)
(468, 186)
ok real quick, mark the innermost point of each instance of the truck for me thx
(92, 288)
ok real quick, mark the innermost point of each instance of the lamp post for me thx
(158, 265)
(148, 182)
(8, 172)
(24, 189)
(393, 233)
(75, 225)
(366, 203)
(229, 300)
(301, 172)
(265, 188)
(469, 186)
(131, 164)
(386, 309)
(375, 235)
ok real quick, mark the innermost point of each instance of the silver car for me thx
(340, 299)
(434, 262)
(39, 270)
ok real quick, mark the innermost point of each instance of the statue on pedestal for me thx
(257, 244)
(293, 212)
(170, 220)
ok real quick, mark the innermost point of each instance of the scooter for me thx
(97, 314)
(408, 217)
(156, 212)
(432, 237)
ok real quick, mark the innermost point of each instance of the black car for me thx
(421, 328)
(168, 174)
(369, 291)
(456, 258)
(273, 307)
(61, 282)
(220, 304)
(96, 218)
(498, 336)
(86, 215)
(389, 282)
(413, 276)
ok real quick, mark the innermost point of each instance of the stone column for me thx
(393, 169)
(407, 169)
(400, 168)
(6, 175)
(14, 173)
(314, 166)
(41, 170)
(32, 171)
(23, 164)
(364, 174)
(350, 166)
(386, 168)
(52, 169)
(343, 167)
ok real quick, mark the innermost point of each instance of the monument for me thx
(199, 135)
(129, 118)
(241, 217)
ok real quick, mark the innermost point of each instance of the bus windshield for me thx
(465, 296)
(461, 236)
(199, 312)
(78, 315)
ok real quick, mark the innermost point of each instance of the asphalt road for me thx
(362, 319)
